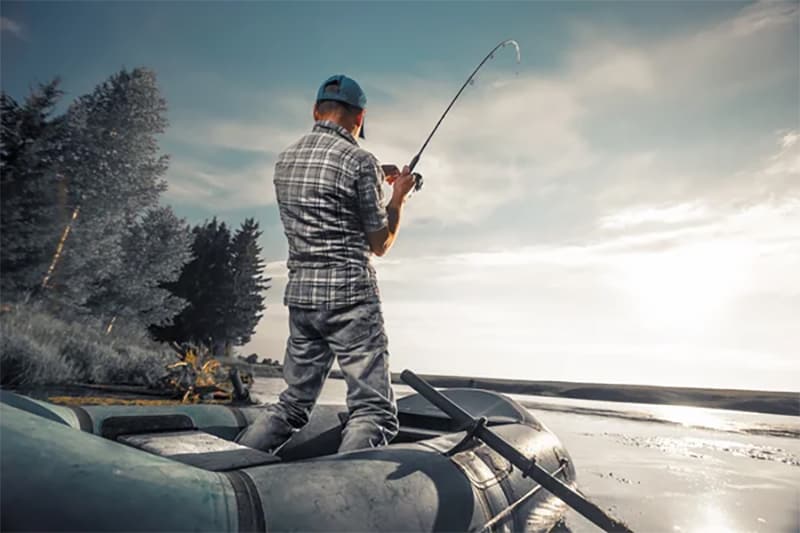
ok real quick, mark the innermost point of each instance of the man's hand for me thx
(402, 183)
(391, 172)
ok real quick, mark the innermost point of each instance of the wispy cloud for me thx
(199, 184)
(12, 27)
(541, 137)
(243, 135)
(689, 213)
(656, 293)
(616, 310)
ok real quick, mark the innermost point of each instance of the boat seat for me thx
(200, 449)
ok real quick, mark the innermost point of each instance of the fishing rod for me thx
(470, 80)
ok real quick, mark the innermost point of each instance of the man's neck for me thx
(340, 121)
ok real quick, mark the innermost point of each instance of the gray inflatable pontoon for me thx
(176, 468)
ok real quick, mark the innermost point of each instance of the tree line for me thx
(83, 230)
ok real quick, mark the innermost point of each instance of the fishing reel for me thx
(417, 181)
(392, 169)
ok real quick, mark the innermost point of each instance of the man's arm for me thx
(380, 241)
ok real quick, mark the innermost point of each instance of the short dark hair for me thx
(326, 107)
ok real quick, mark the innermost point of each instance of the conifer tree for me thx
(206, 283)
(33, 206)
(224, 285)
(248, 282)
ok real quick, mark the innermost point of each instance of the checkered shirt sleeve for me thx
(369, 195)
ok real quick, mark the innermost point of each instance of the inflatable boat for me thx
(176, 468)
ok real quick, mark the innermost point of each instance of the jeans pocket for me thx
(356, 325)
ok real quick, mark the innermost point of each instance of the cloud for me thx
(612, 310)
(673, 214)
(207, 185)
(244, 135)
(276, 270)
(657, 293)
(543, 137)
(688, 245)
(756, 43)
(781, 174)
(599, 135)
(12, 27)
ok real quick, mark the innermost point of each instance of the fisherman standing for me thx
(330, 198)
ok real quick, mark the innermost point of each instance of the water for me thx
(664, 468)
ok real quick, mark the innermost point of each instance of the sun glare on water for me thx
(691, 416)
(713, 520)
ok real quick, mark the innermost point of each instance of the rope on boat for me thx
(505, 513)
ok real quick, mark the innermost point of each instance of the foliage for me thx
(153, 249)
(33, 194)
(114, 171)
(248, 282)
(223, 284)
(101, 162)
(80, 201)
(36, 349)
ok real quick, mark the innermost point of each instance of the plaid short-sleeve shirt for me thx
(329, 193)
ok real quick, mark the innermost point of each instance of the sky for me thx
(623, 206)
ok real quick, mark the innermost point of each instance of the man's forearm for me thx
(393, 211)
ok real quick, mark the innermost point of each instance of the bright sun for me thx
(685, 287)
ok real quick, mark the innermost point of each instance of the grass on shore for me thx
(37, 348)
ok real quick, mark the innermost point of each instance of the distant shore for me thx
(779, 403)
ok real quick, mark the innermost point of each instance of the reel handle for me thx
(417, 175)
(417, 181)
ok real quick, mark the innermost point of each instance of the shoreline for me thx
(767, 402)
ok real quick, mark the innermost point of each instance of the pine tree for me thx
(248, 283)
(34, 206)
(224, 286)
(206, 282)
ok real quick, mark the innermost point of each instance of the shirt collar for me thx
(332, 127)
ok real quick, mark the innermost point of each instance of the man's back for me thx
(330, 198)
(329, 195)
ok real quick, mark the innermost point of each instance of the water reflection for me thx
(713, 520)
(692, 417)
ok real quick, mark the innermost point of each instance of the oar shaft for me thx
(529, 468)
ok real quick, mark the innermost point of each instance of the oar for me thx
(528, 467)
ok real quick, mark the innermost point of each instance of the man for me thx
(330, 198)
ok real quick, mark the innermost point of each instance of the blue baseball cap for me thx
(347, 91)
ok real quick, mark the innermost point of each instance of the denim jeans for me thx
(355, 337)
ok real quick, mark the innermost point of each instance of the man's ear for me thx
(360, 117)
(316, 114)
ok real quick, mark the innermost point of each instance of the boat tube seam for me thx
(508, 491)
(84, 419)
(114, 426)
(249, 510)
(241, 421)
(502, 515)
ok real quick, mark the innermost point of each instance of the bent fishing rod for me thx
(470, 80)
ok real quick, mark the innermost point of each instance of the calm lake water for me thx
(664, 468)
